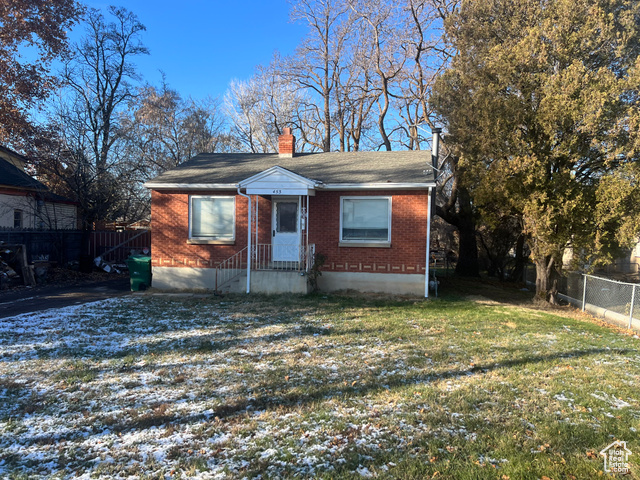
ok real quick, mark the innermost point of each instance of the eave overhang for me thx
(318, 186)
(190, 186)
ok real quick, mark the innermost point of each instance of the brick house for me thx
(255, 222)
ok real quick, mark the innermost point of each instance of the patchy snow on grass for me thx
(199, 388)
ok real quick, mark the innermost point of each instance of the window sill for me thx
(365, 244)
(202, 241)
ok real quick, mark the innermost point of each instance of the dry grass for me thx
(314, 387)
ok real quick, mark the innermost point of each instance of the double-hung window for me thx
(365, 220)
(212, 218)
(17, 219)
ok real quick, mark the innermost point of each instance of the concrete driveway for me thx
(41, 298)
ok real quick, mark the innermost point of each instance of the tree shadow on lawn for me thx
(372, 386)
(197, 344)
(296, 398)
(215, 341)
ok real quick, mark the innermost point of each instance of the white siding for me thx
(49, 216)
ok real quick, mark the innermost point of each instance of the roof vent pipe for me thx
(435, 147)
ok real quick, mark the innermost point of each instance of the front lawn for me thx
(313, 387)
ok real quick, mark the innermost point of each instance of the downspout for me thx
(306, 231)
(257, 226)
(248, 239)
(426, 273)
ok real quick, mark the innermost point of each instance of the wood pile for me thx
(14, 267)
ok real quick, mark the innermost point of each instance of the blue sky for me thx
(202, 45)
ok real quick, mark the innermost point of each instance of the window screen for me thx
(213, 218)
(365, 219)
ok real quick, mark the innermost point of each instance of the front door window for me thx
(286, 217)
(286, 232)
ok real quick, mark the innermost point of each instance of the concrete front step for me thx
(269, 281)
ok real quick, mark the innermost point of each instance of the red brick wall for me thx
(170, 232)
(408, 234)
(170, 229)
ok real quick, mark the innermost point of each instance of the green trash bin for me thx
(139, 272)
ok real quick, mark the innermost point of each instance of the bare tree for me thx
(382, 22)
(259, 108)
(80, 154)
(355, 94)
(317, 62)
(99, 76)
(426, 56)
(163, 129)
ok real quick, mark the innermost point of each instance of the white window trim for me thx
(211, 240)
(366, 243)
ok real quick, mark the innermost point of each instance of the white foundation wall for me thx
(274, 282)
(183, 278)
(189, 278)
(395, 283)
(278, 282)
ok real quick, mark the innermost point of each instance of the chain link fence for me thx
(609, 299)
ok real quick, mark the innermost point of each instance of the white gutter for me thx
(248, 240)
(328, 186)
(376, 186)
(191, 186)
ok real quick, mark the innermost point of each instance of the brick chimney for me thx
(286, 143)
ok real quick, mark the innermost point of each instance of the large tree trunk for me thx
(467, 250)
(468, 245)
(546, 284)
(464, 220)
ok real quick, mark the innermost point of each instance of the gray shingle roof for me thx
(11, 176)
(330, 168)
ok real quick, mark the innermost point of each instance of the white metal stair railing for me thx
(298, 257)
(231, 268)
(262, 259)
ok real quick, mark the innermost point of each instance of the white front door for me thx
(285, 229)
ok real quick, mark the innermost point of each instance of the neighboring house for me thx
(25, 203)
(627, 265)
(367, 213)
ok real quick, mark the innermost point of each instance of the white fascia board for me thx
(376, 186)
(191, 186)
(278, 170)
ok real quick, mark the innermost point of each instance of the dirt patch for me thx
(479, 299)
(64, 277)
